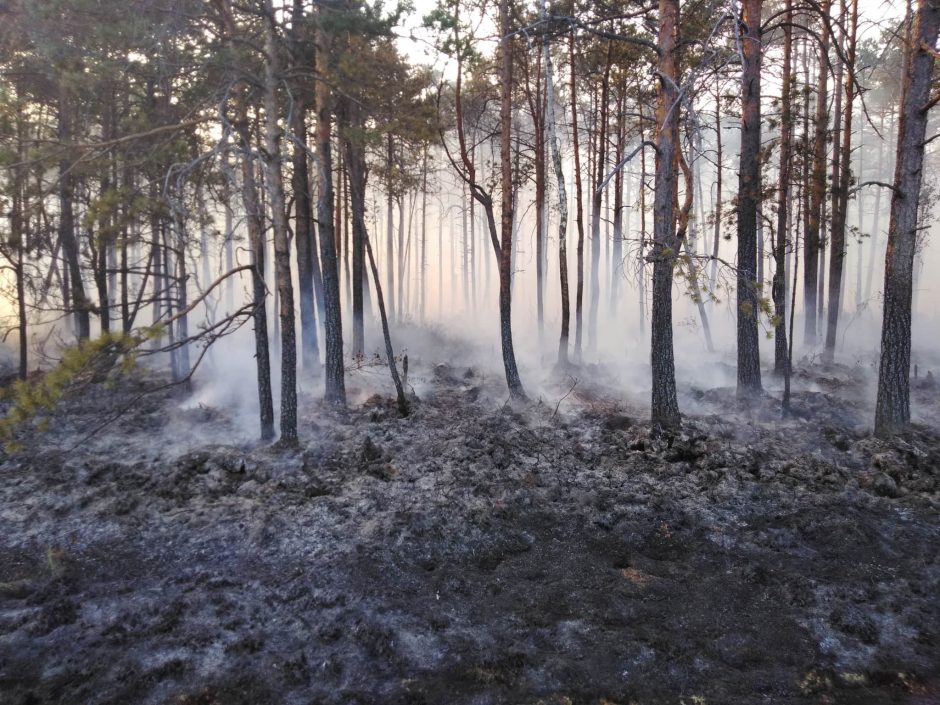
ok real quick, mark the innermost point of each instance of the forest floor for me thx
(556, 552)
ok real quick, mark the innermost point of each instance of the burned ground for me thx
(555, 552)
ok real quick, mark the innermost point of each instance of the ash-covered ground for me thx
(475, 552)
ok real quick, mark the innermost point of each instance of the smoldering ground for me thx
(475, 552)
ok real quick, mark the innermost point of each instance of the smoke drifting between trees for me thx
(187, 169)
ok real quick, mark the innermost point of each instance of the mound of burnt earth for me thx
(471, 553)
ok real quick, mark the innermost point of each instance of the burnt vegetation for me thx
(468, 353)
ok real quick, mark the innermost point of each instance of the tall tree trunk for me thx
(893, 409)
(641, 250)
(842, 185)
(779, 285)
(537, 107)
(390, 226)
(687, 238)
(335, 386)
(402, 273)
(811, 242)
(749, 195)
(616, 257)
(67, 236)
(719, 173)
(513, 380)
(18, 227)
(386, 334)
(600, 164)
(876, 222)
(552, 136)
(423, 262)
(579, 206)
(254, 218)
(664, 407)
(356, 165)
(282, 268)
(182, 281)
(303, 208)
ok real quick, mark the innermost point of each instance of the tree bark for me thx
(304, 238)
(811, 242)
(841, 200)
(356, 164)
(505, 260)
(600, 164)
(562, 200)
(389, 351)
(664, 405)
(779, 285)
(254, 218)
(282, 268)
(893, 412)
(335, 386)
(80, 304)
(579, 206)
(749, 195)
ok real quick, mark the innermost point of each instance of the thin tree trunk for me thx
(579, 205)
(719, 172)
(811, 243)
(282, 268)
(303, 208)
(386, 334)
(356, 165)
(616, 257)
(422, 275)
(779, 287)
(600, 164)
(335, 387)
(562, 199)
(513, 380)
(842, 180)
(389, 226)
(254, 218)
(684, 228)
(876, 223)
(80, 304)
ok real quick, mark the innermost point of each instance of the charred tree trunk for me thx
(282, 268)
(304, 238)
(811, 242)
(254, 218)
(356, 164)
(386, 334)
(893, 410)
(80, 305)
(335, 389)
(600, 164)
(686, 241)
(719, 173)
(579, 206)
(664, 407)
(779, 285)
(390, 226)
(562, 201)
(505, 260)
(749, 194)
(842, 183)
(616, 257)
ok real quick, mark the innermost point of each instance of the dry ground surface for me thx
(475, 552)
